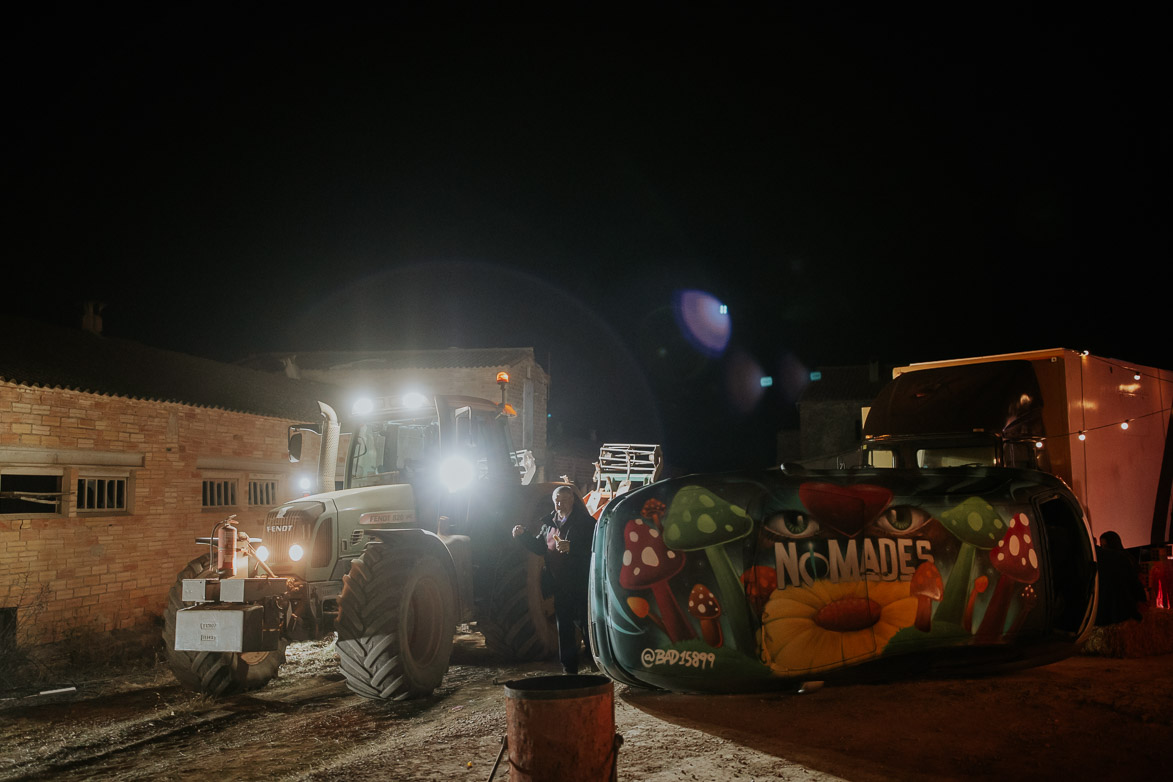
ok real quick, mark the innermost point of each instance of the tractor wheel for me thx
(520, 624)
(396, 621)
(214, 673)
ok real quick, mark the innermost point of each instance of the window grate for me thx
(101, 494)
(219, 493)
(262, 492)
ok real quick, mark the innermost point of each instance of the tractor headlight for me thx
(457, 473)
(263, 553)
(296, 552)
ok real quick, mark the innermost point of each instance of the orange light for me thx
(509, 411)
(502, 377)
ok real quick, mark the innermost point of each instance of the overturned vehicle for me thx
(764, 580)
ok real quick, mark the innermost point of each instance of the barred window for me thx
(102, 494)
(262, 492)
(219, 493)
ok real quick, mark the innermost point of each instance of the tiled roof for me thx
(47, 356)
(451, 358)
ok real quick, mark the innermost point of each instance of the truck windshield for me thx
(385, 452)
(955, 457)
(929, 456)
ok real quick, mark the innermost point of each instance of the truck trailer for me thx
(1101, 425)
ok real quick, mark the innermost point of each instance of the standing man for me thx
(564, 541)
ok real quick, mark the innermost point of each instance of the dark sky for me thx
(854, 186)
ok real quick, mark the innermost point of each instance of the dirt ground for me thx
(1084, 717)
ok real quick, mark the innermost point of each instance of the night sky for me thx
(853, 186)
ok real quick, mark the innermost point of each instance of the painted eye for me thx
(792, 524)
(902, 520)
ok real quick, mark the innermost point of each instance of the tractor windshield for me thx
(385, 452)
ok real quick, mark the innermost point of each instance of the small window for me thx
(262, 491)
(219, 493)
(102, 493)
(30, 493)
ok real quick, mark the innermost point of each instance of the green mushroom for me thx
(697, 520)
(978, 526)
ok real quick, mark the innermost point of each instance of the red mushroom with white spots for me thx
(703, 605)
(1026, 601)
(1018, 562)
(649, 564)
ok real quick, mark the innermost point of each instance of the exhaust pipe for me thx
(328, 457)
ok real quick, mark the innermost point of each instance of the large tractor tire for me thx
(520, 624)
(214, 673)
(396, 622)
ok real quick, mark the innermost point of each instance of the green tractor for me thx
(416, 543)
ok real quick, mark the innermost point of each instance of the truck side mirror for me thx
(294, 447)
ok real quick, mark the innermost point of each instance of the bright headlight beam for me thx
(457, 473)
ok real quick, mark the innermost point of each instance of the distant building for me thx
(830, 412)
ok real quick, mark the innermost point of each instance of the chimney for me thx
(291, 368)
(91, 317)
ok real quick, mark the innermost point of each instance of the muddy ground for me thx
(1085, 717)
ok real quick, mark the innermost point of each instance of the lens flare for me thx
(704, 321)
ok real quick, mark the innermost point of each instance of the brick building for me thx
(114, 457)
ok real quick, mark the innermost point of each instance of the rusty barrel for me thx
(561, 728)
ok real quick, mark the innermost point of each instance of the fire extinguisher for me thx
(226, 539)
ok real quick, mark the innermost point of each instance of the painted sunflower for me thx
(827, 624)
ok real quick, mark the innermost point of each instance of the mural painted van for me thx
(741, 582)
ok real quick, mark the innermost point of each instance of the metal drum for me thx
(561, 727)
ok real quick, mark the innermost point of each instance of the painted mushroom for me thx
(978, 526)
(653, 509)
(649, 564)
(696, 520)
(642, 609)
(1026, 601)
(926, 587)
(759, 582)
(1018, 562)
(979, 585)
(703, 605)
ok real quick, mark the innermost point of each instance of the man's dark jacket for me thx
(567, 573)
